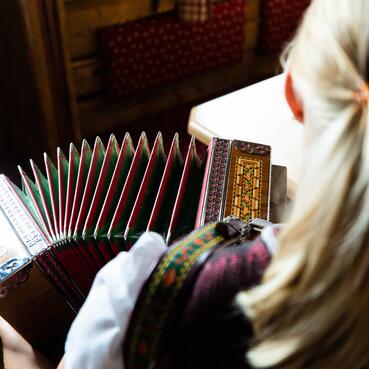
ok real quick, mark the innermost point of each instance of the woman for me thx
(310, 309)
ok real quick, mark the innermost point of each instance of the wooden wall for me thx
(50, 70)
(32, 78)
(20, 112)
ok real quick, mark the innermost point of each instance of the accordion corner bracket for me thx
(13, 273)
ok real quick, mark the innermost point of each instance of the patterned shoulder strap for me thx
(163, 297)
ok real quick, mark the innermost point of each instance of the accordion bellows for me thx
(81, 212)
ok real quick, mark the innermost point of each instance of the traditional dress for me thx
(136, 316)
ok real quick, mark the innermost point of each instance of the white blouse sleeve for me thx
(96, 335)
(269, 237)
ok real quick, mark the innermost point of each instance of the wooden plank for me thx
(67, 76)
(88, 77)
(252, 9)
(48, 58)
(84, 18)
(251, 33)
(36, 23)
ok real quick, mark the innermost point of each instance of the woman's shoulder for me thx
(213, 332)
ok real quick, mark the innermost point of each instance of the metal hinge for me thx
(234, 228)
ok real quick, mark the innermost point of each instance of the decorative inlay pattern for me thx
(252, 148)
(246, 197)
(217, 181)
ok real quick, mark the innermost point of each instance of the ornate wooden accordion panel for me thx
(78, 214)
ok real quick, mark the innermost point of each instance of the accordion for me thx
(77, 215)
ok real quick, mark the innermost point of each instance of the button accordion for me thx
(81, 211)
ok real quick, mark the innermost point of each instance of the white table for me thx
(258, 113)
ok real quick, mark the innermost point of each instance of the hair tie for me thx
(361, 97)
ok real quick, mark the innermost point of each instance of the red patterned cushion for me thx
(144, 54)
(280, 19)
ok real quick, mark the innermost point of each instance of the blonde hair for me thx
(312, 307)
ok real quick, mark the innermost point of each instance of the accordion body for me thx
(64, 225)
